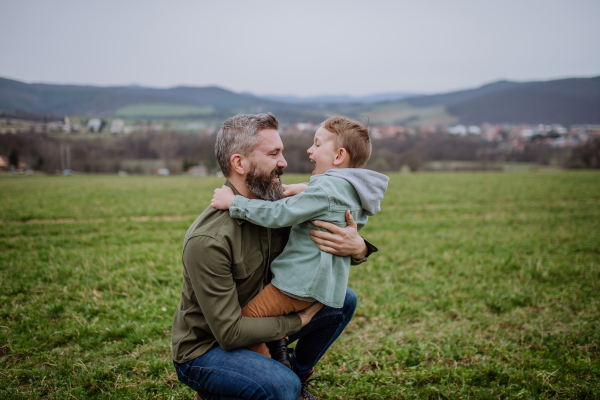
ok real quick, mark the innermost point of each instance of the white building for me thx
(117, 126)
(458, 130)
(94, 125)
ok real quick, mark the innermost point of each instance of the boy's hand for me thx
(222, 198)
(307, 314)
(292, 190)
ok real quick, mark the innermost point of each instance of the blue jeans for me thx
(243, 374)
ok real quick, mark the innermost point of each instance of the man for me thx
(226, 263)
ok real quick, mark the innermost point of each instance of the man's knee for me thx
(350, 302)
(286, 385)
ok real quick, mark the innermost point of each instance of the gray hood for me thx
(369, 185)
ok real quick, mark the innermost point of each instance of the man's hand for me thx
(294, 189)
(307, 314)
(222, 198)
(342, 241)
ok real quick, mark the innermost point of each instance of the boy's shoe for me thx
(279, 352)
(306, 382)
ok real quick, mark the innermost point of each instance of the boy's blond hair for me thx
(352, 136)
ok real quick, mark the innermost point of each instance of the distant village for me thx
(513, 136)
(505, 138)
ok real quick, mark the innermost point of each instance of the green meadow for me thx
(403, 113)
(162, 111)
(486, 286)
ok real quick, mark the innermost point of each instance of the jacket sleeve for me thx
(310, 204)
(207, 263)
(371, 248)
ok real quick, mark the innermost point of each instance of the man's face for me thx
(266, 166)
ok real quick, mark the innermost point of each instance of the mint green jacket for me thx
(303, 270)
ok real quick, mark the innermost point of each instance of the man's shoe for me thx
(279, 352)
(306, 381)
(198, 397)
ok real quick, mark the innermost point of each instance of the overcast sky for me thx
(300, 47)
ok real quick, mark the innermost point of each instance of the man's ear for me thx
(237, 163)
(341, 156)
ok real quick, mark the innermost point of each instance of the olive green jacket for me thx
(225, 263)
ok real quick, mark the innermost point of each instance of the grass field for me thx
(487, 286)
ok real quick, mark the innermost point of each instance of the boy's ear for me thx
(341, 156)
(237, 163)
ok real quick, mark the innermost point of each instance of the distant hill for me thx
(325, 100)
(565, 101)
(446, 99)
(106, 101)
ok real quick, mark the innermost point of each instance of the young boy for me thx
(303, 274)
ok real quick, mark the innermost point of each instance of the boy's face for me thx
(323, 151)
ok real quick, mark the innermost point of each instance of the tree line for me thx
(178, 151)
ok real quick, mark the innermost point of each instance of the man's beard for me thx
(261, 183)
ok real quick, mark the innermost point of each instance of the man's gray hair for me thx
(238, 136)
